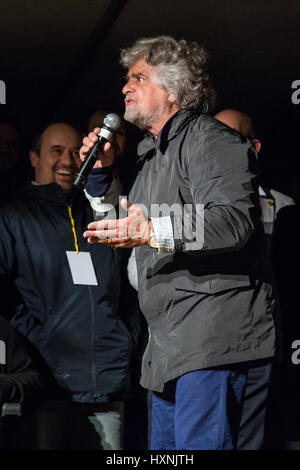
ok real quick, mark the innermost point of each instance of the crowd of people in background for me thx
(76, 334)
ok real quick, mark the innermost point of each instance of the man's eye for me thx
(140, 79)
(75, 153)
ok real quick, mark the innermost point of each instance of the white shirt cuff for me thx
(109, 200)
(163, 231)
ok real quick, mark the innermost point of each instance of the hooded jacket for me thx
(86, 334)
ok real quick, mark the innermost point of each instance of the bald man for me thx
(252, 425)
(68, 299)
(271, 201)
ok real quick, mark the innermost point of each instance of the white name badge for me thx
(82, 268)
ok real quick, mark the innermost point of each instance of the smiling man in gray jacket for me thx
(195, 222)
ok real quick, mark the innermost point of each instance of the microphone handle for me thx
(89, 162)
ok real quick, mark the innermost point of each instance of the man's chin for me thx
(135, 119)
(129, 117)
(65, 182)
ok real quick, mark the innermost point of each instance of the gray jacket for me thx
(207, 303)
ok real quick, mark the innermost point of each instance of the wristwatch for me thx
(152, 241)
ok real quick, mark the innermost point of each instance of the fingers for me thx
(116, 243)
(89, 142)
(102, 234)
(129, 207)
(125, 232)
(103, 224)
(93, 225)
(107, 146)
(93, 240)
(107, 237)
(125, 203)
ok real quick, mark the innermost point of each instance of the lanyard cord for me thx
(73, 228)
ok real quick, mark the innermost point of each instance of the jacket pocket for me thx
(211, 284)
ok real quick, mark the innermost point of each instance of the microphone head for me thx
(112, 121)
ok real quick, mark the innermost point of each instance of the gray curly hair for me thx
(180, 69)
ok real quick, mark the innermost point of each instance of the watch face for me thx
(152, 241)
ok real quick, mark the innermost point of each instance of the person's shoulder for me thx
(206, 121)
(206, 125)
(16, 201)
(201, 121)
(19, 207)
(220, 145)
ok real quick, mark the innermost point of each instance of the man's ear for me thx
(256, 144)
(34, 157)
(172, 98)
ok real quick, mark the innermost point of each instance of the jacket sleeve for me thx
(103, 190)
(9, 298)
(221, 169)
(20, 380)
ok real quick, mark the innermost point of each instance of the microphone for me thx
(110, 124)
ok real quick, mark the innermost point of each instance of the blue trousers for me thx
(200, 410)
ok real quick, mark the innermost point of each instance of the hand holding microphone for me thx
(96, 144)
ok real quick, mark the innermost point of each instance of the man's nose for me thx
(67, 158)
(127, 88)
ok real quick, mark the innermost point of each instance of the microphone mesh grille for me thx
(112, 121)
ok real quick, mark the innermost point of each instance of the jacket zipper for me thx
(93, 363)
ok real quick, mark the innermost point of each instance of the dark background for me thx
(59, 60)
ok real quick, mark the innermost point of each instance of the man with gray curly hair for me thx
(199, 243)
(178, 68)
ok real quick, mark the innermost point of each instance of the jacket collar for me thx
(265, 192)
(52, 193)
(170, 130)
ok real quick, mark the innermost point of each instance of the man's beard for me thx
(140, 119)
